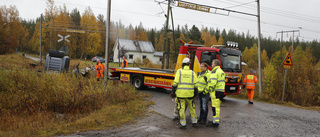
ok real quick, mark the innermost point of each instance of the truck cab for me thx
(229, 57)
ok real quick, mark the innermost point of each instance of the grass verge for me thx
(36, 103)
(244, 95)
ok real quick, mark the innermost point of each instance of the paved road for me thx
(238, 119)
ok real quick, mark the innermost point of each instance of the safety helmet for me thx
(186, 61)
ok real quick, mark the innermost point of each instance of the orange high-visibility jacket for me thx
(100, 66)
(250, 81)
(125, 63)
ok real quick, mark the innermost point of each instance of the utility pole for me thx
(173, 36)
(259, 47)
(292, 38)
(118, 42)
(40, 38)
(166, 35)
(107, 45)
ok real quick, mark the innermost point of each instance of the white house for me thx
(134, 50)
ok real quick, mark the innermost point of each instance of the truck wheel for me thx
(138, 82)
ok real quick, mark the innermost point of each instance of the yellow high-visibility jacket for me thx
(185, 80)
(217, 80)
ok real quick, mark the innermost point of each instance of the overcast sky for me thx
(276, 15)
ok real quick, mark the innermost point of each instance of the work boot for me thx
(183, 127)
(211, 124)
(216, 125)
(202, 121)
(250, 102)
(175, 118)
(194, 125)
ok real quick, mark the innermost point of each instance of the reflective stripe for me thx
(216, 120)
(221, 90)
(186, 84)
(180, 77)
(183, 122)
(211, 88)
(186, 88)
(194, 120)
(214, 71)
(192, 77)
(202, 83)
(221, 80)
(213, 79)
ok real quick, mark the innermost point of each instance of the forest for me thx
(88, 38)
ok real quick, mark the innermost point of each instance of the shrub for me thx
(29, 99)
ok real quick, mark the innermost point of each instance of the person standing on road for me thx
(249, 83)
(99, 67)
(202, 96)
(215, 87)
(185, 89)
(125, 62)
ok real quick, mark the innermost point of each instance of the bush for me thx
(31, 101)
(302, 81)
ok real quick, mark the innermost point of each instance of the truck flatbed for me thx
(146, 71)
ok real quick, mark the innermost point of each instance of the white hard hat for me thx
(186, 60)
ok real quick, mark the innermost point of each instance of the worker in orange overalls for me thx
(125, 62)
(99, 67)
(249, 82)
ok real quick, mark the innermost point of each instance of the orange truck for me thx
(229, 56)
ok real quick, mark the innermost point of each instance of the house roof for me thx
(141, 46)
(157, 53)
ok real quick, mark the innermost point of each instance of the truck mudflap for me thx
(125, 77)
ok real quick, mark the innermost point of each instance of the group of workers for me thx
(187, 86)
(100, 67)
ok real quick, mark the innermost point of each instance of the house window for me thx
(160, 59)
(144, 56)
(130, 56)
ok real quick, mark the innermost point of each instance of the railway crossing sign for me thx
(63, 38)
(287, 62)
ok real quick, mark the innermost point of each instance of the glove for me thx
(174, 89)
(173, 95)
(205, 79)
(98, 68)
(195, 92)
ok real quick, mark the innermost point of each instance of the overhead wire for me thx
(239, 4)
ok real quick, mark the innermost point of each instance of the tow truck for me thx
(229, 56)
